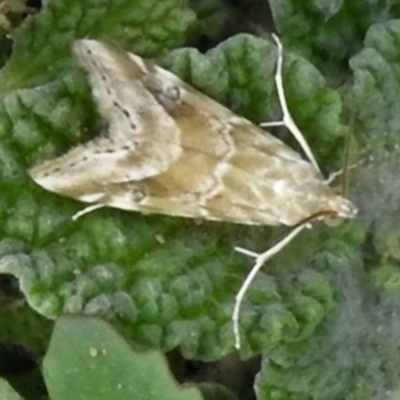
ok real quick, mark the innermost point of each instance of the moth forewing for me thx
(137, 144)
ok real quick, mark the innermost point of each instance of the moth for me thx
(169, 149)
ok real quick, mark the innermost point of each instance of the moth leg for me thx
(333, 175)
(87, 210)
(287, 119)
(261, 259)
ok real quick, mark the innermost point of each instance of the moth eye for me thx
(169, 96)
(172, 93)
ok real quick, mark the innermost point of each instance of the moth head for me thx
(341, 208)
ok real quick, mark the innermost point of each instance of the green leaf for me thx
(87, 360)
(325, 31)
(388, 279)
(42, 45)
(336, 360)
(352, 354)
(211, 391)
(7, 392)
(373, 99)
(377, 82)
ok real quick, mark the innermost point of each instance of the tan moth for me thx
(169, 149)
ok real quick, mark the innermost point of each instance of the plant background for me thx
(321, 321)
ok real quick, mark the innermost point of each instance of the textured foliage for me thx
(323, 313)
(81, 352)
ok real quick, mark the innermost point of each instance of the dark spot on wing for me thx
(138, 195)
(53, 171)
(124, 111)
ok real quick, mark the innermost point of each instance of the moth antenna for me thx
(287, 119)
(261, 259)
(344, 181)
(346, 157)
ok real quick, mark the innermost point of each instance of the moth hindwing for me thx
(171, 150)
